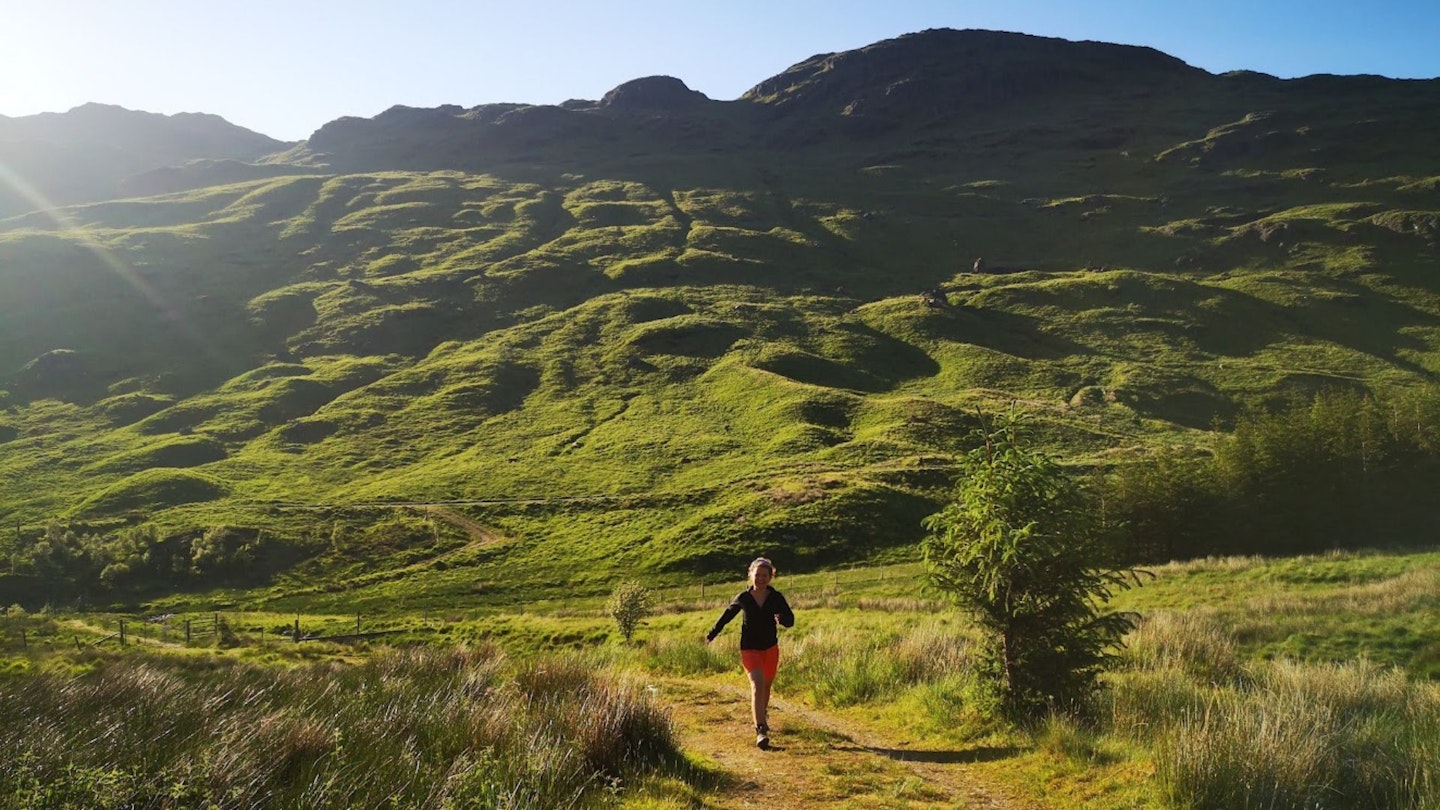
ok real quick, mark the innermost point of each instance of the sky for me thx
(286, 67)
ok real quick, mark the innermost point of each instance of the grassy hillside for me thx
(668, 337)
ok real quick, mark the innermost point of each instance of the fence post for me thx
(357, 624)
(122, 632)
(24, 646)
(297, 630)
(77, 643)
(187, 631)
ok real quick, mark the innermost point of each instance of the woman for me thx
(764, 608)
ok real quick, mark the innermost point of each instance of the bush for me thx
(629, 605)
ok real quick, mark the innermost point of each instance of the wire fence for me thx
(42, 632)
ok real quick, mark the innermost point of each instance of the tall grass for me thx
(1194, 642)
(415, 728)
(688, 656)
(839, 669)
(1275, 734)
(1306, 736)
(1222, 731)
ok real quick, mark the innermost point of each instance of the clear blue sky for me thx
(285, 67)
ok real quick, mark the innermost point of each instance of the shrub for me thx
(629, 604)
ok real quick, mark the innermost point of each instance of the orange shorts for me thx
(767, 661)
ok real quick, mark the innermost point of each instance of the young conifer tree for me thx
(1021, 548)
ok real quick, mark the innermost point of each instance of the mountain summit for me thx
(964, 72)
(653, 93)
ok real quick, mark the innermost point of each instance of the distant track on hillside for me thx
(296, 505)
(651, 498)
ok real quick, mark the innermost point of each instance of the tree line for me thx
(67, 561)
(1342, 469)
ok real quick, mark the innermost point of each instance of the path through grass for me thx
(819, 759)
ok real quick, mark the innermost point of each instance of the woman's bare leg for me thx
(759, 698)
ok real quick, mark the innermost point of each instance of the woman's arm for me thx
(784, 614)
(730, 612)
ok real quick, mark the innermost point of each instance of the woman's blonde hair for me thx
(761, 562)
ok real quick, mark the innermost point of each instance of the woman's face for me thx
(760, 576)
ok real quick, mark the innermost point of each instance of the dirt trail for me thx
(820, 760)
(479, 534)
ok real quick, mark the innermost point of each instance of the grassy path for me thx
(479, 534)
(818, 760)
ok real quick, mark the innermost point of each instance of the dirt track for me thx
(819, 760)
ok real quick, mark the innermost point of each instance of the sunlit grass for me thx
(419, 727)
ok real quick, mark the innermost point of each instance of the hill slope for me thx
(662, 331)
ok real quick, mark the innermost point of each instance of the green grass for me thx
(1329, 608)
(1199, 682)
(624, 357)
(438, 728)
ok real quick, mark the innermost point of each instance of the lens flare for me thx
(67, 226)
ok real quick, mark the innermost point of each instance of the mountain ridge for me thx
(89, 152)
(862, 93)
(663, 330)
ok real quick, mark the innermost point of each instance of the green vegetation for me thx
(629, 605)
(1281, 734)
(1205, 702)
(1340, 470)
(671, 356)
(456, 373)
(457, 728)
(1020, 550)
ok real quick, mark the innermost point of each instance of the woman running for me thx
(764, 608)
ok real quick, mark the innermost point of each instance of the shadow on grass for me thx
(703, 776)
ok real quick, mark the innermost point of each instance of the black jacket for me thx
(757, 630)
